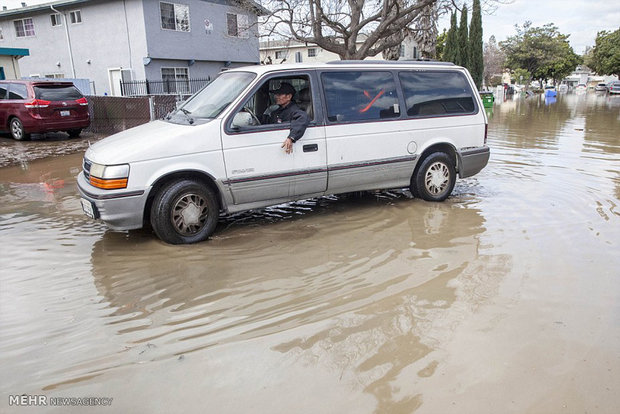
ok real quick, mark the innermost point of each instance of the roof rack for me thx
(390, 62)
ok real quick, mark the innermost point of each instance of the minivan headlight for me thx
(109, 177)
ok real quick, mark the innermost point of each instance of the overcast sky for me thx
(582, 19)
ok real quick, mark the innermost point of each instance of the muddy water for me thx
(504, 298)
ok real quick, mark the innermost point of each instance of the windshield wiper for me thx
(186, 113)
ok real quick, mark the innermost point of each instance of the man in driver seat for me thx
(288, 111)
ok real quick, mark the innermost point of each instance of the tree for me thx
(542, 51)
(604, 58)
(494, 60)
(354, 29)
(449, 51)
(425, 31)
(441, 45)
(476, 60)
(462, 41)
(522, 76)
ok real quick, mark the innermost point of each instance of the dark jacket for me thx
(297, 117)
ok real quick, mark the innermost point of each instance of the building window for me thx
(311, 52)
(401, 52)
(415, 52)
(280, 54)
(174, 17)
(54, 75)
(176, 80)
(75, 16)
(56, 19)
(238, 25)
(24, 27)
(298, 58)
(1, 36)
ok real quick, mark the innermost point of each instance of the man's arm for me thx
(299, 123)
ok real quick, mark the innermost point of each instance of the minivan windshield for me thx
(216, 96)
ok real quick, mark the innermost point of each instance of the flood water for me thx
(503, 299)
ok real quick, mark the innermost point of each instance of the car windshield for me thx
(216, 96)
(57, 93)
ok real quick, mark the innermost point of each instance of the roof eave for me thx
(39, 7)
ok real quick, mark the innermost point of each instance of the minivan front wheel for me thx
(17, 130)
(184, 212)
(435, 179)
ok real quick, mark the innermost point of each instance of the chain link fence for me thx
(111, 114)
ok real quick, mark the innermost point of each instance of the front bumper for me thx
(472, 161)
(120, 210)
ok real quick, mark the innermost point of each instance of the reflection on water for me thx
(360, 297)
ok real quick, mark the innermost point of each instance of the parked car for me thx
(550, 91)
(581, 88)
(373, 126)
(42, 106)
(614, 87)
(600, 87)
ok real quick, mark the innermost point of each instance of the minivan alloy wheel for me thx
(17, 129)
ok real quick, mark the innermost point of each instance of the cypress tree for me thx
(462, 50)
(449, 53)
(476, 62)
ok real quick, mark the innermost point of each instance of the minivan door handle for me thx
(311, 147)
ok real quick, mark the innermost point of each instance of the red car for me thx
(42, 106)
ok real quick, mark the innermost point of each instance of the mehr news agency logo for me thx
(44, 401)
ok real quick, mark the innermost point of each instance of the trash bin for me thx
(487, 99)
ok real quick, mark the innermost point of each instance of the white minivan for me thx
(373, 125)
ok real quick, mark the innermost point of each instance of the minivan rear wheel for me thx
(435, 178)
(17, 130)
(74, 133)
(184, 212)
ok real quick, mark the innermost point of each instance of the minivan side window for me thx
(436, 93)
(18, 91)
(259, 107)
(3, 90)
(360, 96)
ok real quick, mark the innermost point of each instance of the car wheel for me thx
(435, 178)
(184, 212)
(74, 133)
(17, 130)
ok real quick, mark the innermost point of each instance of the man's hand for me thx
(288, 145)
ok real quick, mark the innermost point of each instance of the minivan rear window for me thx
(57, 93)
(433, 93)
(360, 96)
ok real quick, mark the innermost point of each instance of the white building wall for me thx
(10, 66)
(99, 42)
